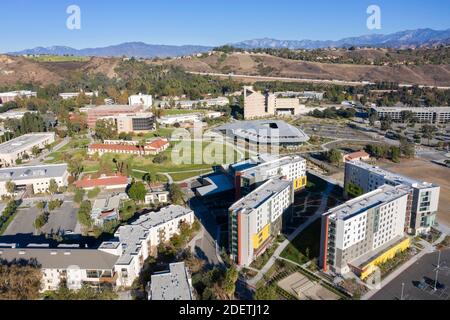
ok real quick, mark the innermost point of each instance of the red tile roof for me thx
(115, 147)
(356, 155)
(102, 182)
(158, 143)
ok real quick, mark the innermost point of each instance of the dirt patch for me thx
(429, 172)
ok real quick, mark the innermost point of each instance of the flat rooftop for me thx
(133, 234)
(264, 167)
(384, 194)
(62, 258)
(34, 172)
(394, 177)
(171, 285)
(265, 131)
(413, 109)
(114, 107)
(217, 183)
(261, 194)
(26, 141)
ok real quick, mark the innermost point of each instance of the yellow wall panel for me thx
(261, 237)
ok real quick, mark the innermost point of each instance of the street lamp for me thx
(403, 289)
(437, 271)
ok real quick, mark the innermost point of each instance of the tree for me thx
(428, 132)
(266, 293)
(334, 156)
(41, 220)
(395, 154)
(175, 193)
(407, 116)
(35, 151)
(79, 195)
(93, 193)
(407, 148)
(84, 214)
(40, 206)
(229, 283)
(10, 187)
(386, 123)
(137, 191)
(150, 178)
(105, 130)
(20, 280)
(53, 187)
(54, 204)
(372, 119)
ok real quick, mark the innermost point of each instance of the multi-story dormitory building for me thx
(116, 263)
(361, 177)
(264, 189)
(366, 231)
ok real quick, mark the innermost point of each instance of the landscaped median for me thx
(8, 215)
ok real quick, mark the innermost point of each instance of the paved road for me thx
(41, 158)
(285, 243)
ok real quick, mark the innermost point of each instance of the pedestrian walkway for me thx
(292, 236)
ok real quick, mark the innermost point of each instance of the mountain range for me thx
(403, 39)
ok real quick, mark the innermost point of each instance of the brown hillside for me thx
(18, 69)
(266, 65)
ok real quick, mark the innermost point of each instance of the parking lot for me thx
(334, 131)
(419, 282)
(62, 220)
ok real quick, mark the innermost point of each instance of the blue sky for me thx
(31, 23)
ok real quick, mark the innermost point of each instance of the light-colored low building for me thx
(14, 114)
(95, 113)
(141, 99)
(35, 179)
(103, 182)
(17, 148)
(264, 132)
(136, 123)
(74, 95)
(434, 115)
(75, 266)
(356, 156)
(192, 104)
(106, 209)
(366, 231)
(157, 197)
(115, 263)
(154, 147)
(13, 95)
(174, 284)
(180, 118)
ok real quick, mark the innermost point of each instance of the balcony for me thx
(110, 279)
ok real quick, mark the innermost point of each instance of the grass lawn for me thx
(308, 240)
(161, 132)
(182, 171)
